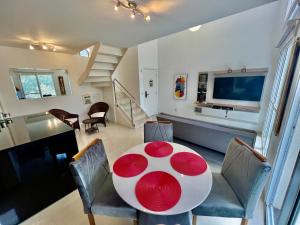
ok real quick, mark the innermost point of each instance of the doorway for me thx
(149, 91)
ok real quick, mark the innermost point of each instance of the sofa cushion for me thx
(98, 114)
(72, 120)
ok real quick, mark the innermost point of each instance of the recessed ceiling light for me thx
(116, 8)
(196, 28)
(44, 46)
(132, 15)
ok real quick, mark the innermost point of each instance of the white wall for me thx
(148, 55)
(148, 59)
(246, 39)
(127, 72)
(18, 58)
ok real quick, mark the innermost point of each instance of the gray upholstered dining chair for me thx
(91, 173)
(158, 131)
(179, 219)
(237, 189)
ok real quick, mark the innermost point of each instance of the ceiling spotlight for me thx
(54, 49)
(31, 47)
(44, 46)
(131, 5)
(132, 15)
(196, 28)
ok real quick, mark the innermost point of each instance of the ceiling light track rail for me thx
(133, 7)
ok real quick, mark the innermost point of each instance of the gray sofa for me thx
(209, 135)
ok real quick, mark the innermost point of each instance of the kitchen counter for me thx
(35, 152)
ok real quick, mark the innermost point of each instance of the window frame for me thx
(282, 70)
(87, 50)
(36, 74)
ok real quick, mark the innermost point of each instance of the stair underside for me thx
(104, 65)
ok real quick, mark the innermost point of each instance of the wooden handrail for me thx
(90, 64)
(81, 152)
(255, 153)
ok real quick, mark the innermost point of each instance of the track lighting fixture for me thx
(133, 6)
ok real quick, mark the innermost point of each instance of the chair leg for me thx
(194, 220)
(135, 222)
(244, 222)
(91, 219)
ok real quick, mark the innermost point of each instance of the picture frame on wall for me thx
(180, 86)
(62, 85)
(87, 99)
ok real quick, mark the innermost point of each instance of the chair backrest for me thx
(246, 171)
(90, 169)
(98, 107)
(158, 131)
(59, 113)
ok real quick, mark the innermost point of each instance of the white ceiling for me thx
(76, 24)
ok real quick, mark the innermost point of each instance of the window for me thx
(280, 76)
(292, 10)
(37, 85)
(85, 53)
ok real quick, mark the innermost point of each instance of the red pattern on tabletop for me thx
(158, 191)
(188, 163)
(158, 149)
(130, 165)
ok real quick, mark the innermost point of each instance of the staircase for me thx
(102, 63)
(127, 105)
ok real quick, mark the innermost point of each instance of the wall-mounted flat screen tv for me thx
(244, 88)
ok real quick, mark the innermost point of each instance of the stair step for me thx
(139, 123)
(139, 116)
(103, 66)
(126, 106)
(99, 73)
(102, 84)
(97, 79)
(107, 58)
(110, 50)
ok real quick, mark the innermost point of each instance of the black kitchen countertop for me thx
(26, 129)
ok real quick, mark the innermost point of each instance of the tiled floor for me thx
(117, 139)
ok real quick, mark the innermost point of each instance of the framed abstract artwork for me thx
(180, 81)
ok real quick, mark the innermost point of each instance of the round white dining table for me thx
(162, 178)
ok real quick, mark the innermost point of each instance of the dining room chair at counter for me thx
(93, 178)
(158, 131)
(151, 219)
(237, 189)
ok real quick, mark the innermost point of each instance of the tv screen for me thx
(245, 88)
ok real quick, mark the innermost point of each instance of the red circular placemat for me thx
(158, 191)
(158, 149)
(130, 165)
(188, 163)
